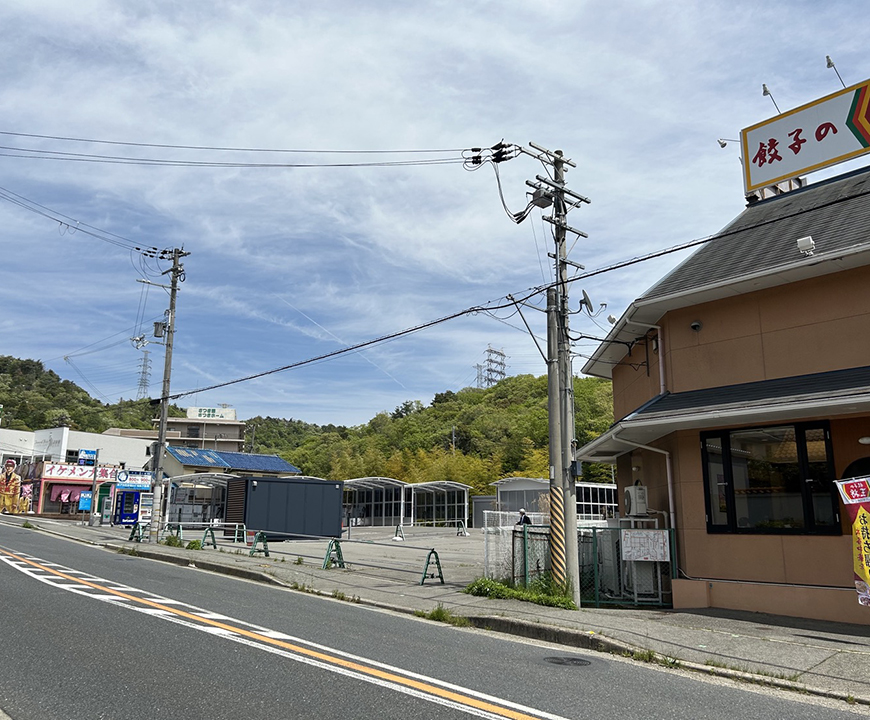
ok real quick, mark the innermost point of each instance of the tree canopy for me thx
(474, 435)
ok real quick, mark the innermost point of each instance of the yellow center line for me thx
(301, 650)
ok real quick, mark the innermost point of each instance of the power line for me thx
(25, 153)
(226, 149)
(71, 225)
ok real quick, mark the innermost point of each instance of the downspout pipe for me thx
(663, 388)
(669, 469)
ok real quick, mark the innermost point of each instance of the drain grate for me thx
(575, 661)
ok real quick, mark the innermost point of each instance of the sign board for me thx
(645, 545)
(85, 499)
(66, 471)
(134, 480)
(855, 491)
(88, 457)
(825, 132)
(203, 413)
(856, 496)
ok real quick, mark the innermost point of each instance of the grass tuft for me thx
(542, 591)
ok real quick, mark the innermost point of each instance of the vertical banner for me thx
(856, 496)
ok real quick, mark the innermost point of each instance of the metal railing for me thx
(336, 549)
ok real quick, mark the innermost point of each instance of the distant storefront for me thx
(60, 486)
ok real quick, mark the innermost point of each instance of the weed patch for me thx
(442, 614)
(541, 592)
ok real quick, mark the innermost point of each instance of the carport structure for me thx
(198, 497)
(387, 501)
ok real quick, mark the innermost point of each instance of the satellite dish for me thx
(587, 302)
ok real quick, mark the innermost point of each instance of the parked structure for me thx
(742, 391)
(386, 501)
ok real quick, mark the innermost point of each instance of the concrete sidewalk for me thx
(823, 658)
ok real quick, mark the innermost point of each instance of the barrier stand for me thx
(461, 530)
(139, 531)
(333, 555)
(176, 530)
(400, 534)
(432, 553)
(209, 532)
(259, 537)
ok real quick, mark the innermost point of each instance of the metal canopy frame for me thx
(401, 492)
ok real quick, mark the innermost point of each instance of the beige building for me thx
(741, 386)
(203, 428)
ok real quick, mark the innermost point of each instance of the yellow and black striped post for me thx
(558, 565)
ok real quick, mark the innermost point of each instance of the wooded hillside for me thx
(474, 436)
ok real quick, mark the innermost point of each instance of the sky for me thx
(295, 256)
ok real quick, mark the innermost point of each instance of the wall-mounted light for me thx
(696, 326)
(864, 440)
(724, 141)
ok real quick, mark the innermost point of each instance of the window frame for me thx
(810, 527)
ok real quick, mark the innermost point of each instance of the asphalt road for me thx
(86, 633)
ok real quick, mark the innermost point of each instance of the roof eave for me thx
(637, 431)
(611, 351)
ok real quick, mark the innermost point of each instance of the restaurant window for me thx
(776, 479)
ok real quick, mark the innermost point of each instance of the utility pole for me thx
(176, 272)
(568, 485)
(551, 190)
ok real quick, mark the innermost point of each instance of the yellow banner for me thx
(861, 548)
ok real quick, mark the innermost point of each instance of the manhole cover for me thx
(575, 661)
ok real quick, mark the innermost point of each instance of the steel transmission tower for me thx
(144, 375)
(495, 366)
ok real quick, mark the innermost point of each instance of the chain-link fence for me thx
(618, 566)
(498, 546)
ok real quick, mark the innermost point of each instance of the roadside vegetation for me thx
(474, 435)
(542, 591)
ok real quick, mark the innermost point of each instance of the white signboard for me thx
(65, 471)
(645, 545)
(134, 479)
(822, 133)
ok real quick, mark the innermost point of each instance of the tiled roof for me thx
(827, 384)
(793, 399)
(836, 213)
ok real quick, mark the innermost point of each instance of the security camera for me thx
(696, 326)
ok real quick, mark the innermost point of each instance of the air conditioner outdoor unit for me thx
(635, 500)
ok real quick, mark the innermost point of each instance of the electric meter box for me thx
(635, 500)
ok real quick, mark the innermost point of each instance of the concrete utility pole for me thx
(564, 553)
(565, 407)
(176, 272)
(551, 191)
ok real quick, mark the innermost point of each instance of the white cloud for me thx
(636, 93)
